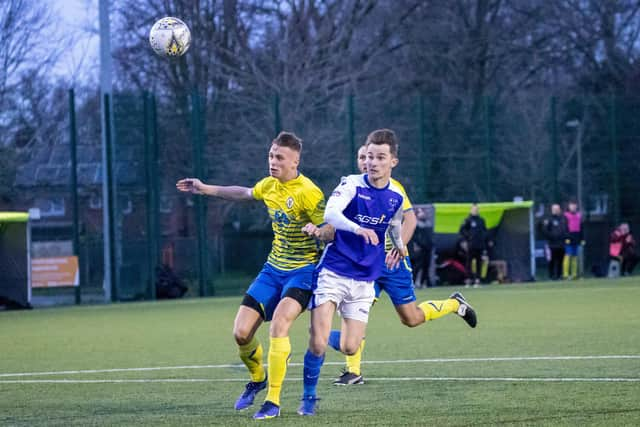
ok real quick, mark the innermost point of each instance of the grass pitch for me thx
(542, 354)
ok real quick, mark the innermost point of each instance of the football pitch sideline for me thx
(543, 354)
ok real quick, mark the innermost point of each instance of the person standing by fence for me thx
(573, 242)
(474, 232)
(554, 230)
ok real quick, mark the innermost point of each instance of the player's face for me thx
(380, 161)
(573, 207)
(362, 159)
(283, 162)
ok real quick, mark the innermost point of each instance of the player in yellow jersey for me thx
(398, 284)
(282, 290)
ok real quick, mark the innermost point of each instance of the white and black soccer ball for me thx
(170, 37)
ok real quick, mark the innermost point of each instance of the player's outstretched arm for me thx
(232, 192)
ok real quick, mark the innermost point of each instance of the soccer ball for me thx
(170, 37)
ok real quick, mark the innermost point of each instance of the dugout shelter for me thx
(15, 260)
(510, 224)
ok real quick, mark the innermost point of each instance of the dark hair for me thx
(288, 139)
(384, 136)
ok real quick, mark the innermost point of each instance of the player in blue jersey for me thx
(361, 209)
(398, 284)
(348, 267)
(283, 288)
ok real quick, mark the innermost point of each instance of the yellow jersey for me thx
(291, 206)
(406, 206)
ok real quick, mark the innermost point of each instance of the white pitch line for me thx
(386, 379)
(365, 362)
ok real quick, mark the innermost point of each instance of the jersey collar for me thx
(366, 180)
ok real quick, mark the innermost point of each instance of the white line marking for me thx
(388, 379)
(365, 362)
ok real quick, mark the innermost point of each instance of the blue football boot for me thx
(268, 410)
(308, 405)
(249, 394)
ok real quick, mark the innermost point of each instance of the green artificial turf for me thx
(424, 376)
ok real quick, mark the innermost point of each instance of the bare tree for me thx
(28, 50)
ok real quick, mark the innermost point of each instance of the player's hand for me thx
(582, 243)
(368, 235)
(190, 185)
(567, 241)
(393, 258)
(311, 230)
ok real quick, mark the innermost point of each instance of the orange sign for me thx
(54, 272)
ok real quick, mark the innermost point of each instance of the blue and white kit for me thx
(349, 265)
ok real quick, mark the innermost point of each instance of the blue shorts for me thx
(571, 250)
(398, 283)
(271, 284)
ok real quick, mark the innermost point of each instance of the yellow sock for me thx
(565, 266)
(485, 268)
(574, 267)
(353, 361)
(279, 351)
(251, 355)
(434, 309)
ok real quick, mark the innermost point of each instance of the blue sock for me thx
(311, 373)
(334, 340)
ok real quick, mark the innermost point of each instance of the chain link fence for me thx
(543, 148)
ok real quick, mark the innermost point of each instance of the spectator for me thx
(554, 230)
(451, 269)
(474, 232)
(422, 249)
(622, 246)
(573, 242)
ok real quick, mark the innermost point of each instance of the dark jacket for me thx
(554, 230)
(423, 238)
(474, 231)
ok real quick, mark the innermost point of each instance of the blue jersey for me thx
(353, 204)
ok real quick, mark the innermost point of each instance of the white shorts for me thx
(353, 298)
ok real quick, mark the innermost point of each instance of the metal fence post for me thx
(73, 136)
(110, 188)
(422, 137)
(151, 178)
(201, 215)
(613, 133)
(554, 150)
(351, 132)
(277, 119)
(488, 148)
